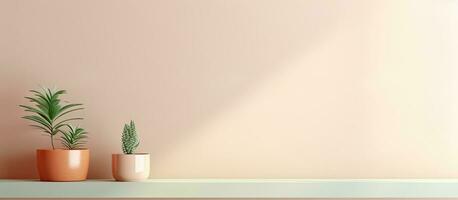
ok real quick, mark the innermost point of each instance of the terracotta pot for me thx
(62, 165)
(131, 167)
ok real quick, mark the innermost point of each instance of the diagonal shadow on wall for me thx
(169, 65)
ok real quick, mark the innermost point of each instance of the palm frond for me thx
(73, 137)
(62, 113)
(63, 122)
(47, 108)
(41, 128)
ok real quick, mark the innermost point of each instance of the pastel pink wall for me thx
(257, 89)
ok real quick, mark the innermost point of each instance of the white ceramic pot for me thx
(130, 167)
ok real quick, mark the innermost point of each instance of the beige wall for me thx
(241, 88)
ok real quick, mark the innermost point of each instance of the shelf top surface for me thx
(233, 188)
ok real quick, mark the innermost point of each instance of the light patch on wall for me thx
(313, 101)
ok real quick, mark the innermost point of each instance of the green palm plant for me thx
(129, 138)
(74, 137)
(48, 112)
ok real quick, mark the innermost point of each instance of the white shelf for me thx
(234, 188)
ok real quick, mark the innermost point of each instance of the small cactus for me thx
(129, 138)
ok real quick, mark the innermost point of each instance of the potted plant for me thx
(70, 163)
(130, 166)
